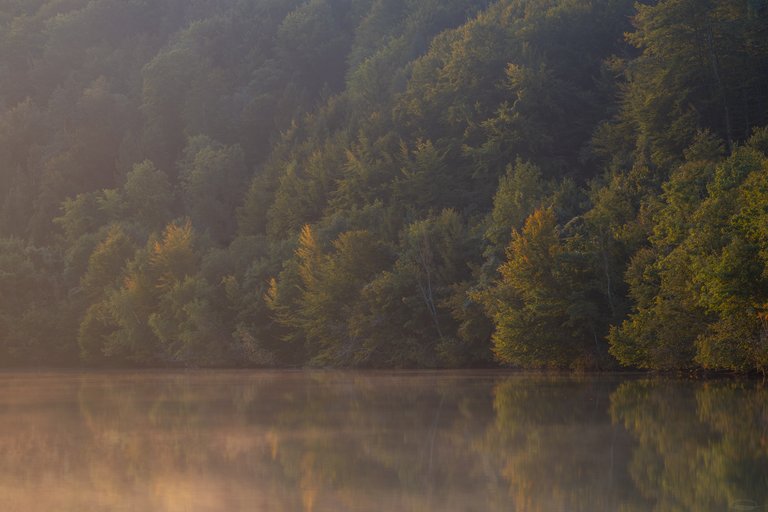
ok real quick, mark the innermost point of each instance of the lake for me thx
(382, 441)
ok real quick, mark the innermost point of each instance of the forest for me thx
(551, 184)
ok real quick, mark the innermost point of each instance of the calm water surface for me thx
(311, 442)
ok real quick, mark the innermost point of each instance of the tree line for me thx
(384, 183)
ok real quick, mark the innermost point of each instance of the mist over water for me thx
(342, 441)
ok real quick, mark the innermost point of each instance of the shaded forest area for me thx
(384, 183)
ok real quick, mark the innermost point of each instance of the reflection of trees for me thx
(244, 441)
(119, 442)
(556, 447)
(369, 442)
(386, 443)
(701, 446)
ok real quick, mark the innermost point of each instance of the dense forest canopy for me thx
(384, 183)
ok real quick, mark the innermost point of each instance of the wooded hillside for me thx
(384, 183)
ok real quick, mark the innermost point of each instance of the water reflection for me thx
(701, 446)
(237, 441)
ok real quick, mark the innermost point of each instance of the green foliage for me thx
(30, 315)
(329, 291)
(107, 262)
(699, 69)
(311, 43)
(544, 306)
(519, 192)
(699, 288)
(384, 183)
(147, 195)
(212, 179)
(414, 312)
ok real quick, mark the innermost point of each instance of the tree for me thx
(698, 289)
(544, 306)
(148, 196)
(331, 286)
(700, 68)
(519, 192)
(212, 180)
(107, 262)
